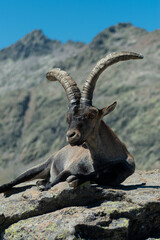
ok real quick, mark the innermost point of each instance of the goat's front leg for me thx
(78, 179)
(73, 181)
(61, 177)
(41, 184)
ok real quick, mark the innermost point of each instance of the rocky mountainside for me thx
(32, 110)
(89, 211)
(33, 44)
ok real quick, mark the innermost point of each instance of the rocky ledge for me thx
(131, 211)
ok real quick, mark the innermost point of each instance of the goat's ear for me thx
(108, 109)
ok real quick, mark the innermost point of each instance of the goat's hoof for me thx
(71, 178)
(40, 182)
(41, 187)
(74, 183)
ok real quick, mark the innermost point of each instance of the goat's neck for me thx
(105, 145)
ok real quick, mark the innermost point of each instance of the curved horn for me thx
(89, 85)
(72, 91)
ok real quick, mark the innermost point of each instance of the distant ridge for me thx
(36, 43)
(33, 44)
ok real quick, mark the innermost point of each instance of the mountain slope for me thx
(33, 44)
(32, 110)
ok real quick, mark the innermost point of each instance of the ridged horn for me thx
(72, 91)
(89, 85)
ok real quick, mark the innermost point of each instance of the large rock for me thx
(131, 211)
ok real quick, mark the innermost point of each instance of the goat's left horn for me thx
(89, 85)
(72, 91)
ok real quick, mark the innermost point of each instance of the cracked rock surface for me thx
(130, 211)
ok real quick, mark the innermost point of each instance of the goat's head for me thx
(84, 121)
(82, 117)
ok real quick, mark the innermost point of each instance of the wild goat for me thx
(94, 152)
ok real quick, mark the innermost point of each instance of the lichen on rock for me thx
(86, 212)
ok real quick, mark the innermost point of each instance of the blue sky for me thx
(79, 20)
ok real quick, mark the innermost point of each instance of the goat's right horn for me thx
(89, 85)
(72, 91)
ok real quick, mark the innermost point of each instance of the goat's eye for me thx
(91, 116)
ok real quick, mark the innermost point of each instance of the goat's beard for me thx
(77, 143)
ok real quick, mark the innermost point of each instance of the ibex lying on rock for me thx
(95, 152)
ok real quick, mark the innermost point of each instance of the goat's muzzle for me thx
(73, 137)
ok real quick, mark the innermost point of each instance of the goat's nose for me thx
(71, 134)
